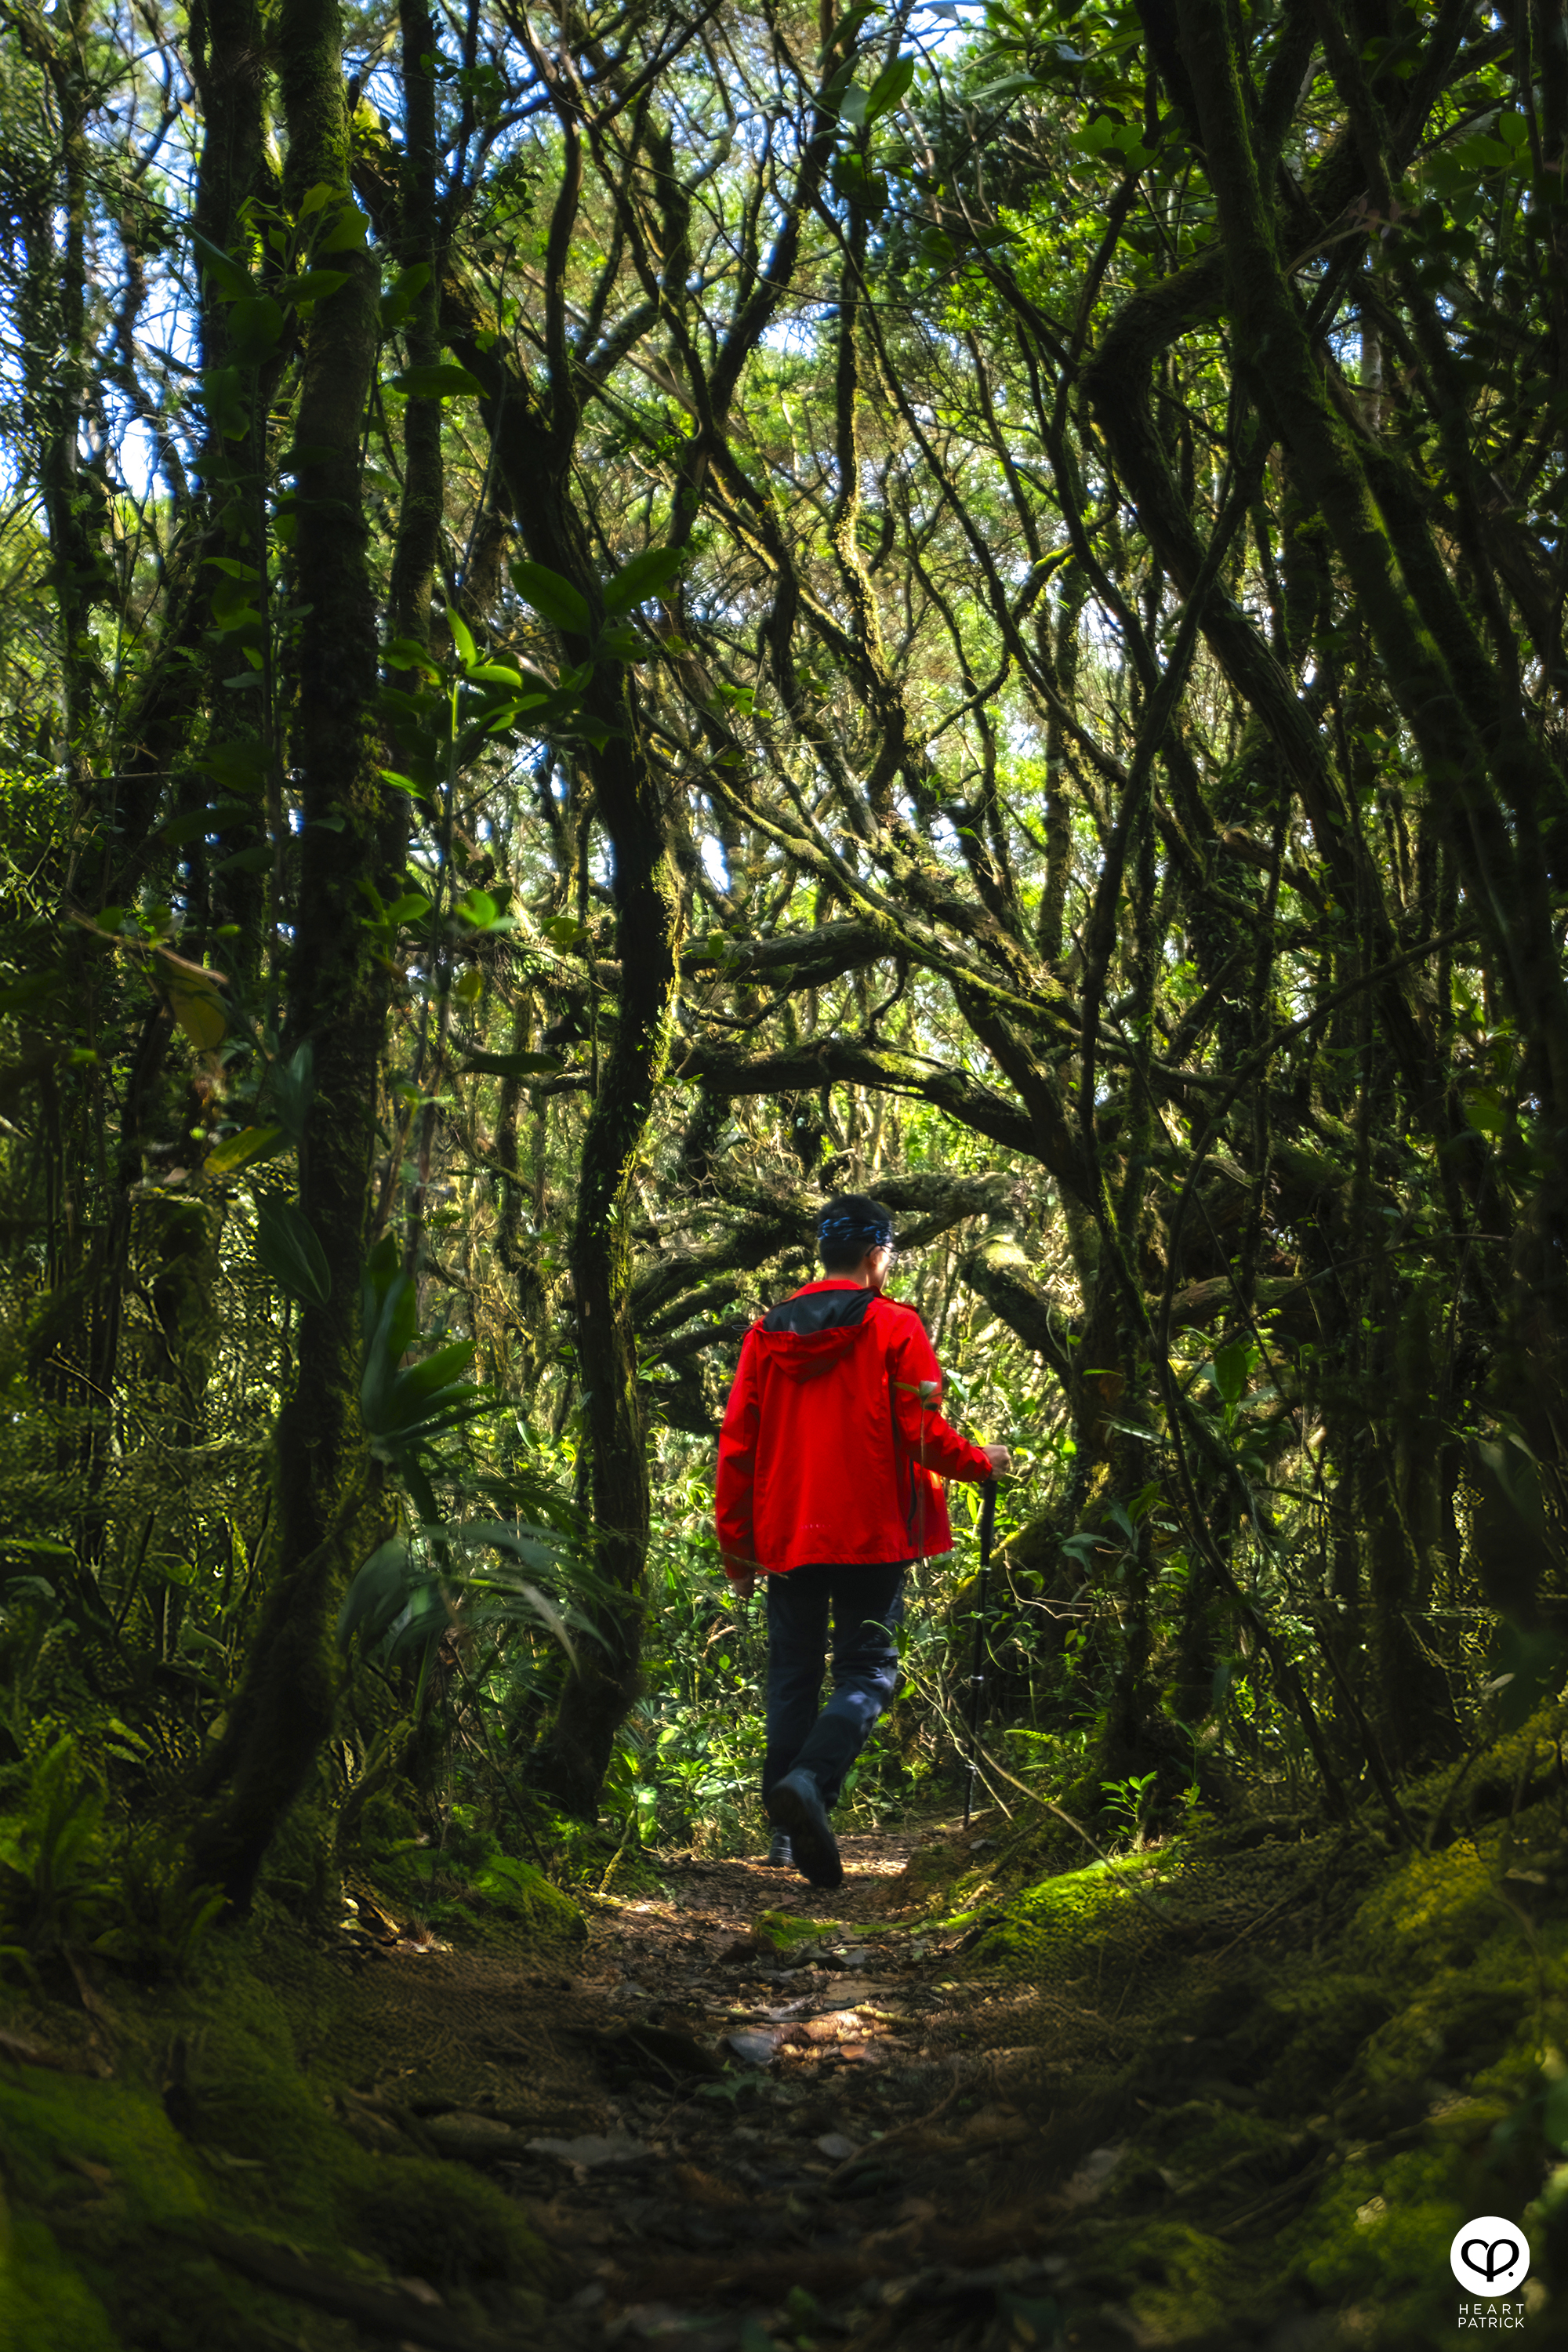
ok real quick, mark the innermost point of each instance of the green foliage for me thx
(407, 1409)
(54, 1889)
(72, 1879)
(291, 1251)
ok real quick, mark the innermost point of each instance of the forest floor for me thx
(823, 2180)
(1238, 2095)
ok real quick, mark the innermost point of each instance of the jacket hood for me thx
(809, 1334)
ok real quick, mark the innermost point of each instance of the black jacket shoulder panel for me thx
(823, 1310)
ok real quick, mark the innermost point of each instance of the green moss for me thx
(223, 2110)
(524, 1897)
(299, 1871)
(1187, 2284)
(45, 2304)
(1200, 2137)
(1430, 1911)
(114, 2200)
(1378, 2236)
(51, 2123)
(781, 1933)
(497, 1903)
(1045, 1924)
(446, 2223)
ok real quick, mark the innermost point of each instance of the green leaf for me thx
(346, 234)
(193, 1000)
(479, 909)
(887, 88)
(412, 908)
(238, 767)
(291, 1250)
(1485, 1112)
(462, 635)
(242, 1151)
(293, 1083)
(852, 180)
(623, 643)
(224, 400)
(643, 577)
(419, 1384)
(407, 784)
(315, 199)
(551, 597)
(33, 989)
(514, 1065)
(256, 327)
(1231, 1368)
(1526, 1669)
(400, 297)
(1519, 1475)
(407, 653)
(232, 279)
(379, 1592)
(244, 861)
(312, 285)
(1097, 136)
(441, 382)
(392, 1319)
(169, 1570)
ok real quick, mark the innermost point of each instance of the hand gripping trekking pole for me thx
(977, 1679)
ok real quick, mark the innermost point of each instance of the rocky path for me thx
(754, 2116)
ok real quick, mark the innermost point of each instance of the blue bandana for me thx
(839, 1237)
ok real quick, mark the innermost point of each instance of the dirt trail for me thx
(738, 2139)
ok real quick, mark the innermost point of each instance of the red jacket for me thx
(830, 1451)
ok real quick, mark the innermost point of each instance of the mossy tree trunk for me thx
(419, 516)
(536, 443)
(1494, 786)
(228, 53)
(337, 1001)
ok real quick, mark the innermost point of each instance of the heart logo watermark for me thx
(1490, 2256)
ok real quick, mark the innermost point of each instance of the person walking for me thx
(831, 1460)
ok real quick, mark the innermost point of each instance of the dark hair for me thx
(850, 1224)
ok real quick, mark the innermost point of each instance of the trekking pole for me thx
(977, 1679)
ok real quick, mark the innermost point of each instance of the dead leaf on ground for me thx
(703, 2188)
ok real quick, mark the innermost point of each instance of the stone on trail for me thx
(1092, 2176)
(591, 2150)
(756, 2048)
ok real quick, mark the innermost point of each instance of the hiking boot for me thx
(796, 1808)
(780, 1855)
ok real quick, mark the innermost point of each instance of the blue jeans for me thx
(866, 1604)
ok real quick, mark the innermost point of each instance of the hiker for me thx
(829, 1485)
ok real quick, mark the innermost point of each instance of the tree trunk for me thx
(603, 1683)
(337, 1000)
